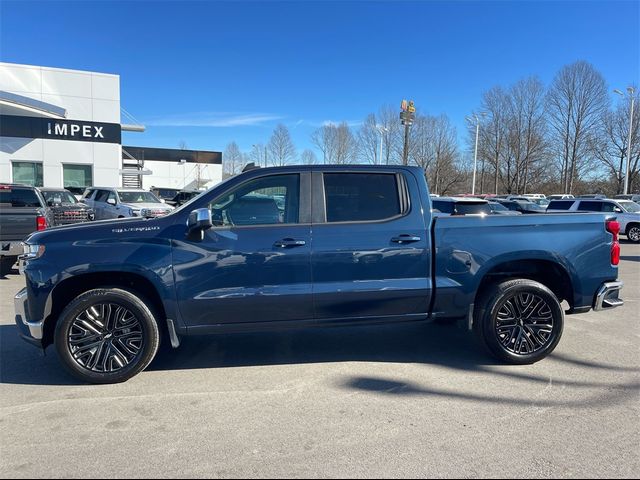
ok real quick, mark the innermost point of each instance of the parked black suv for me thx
(65, 207)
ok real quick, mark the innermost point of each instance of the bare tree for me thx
(389, 121)
(281, 149)
(369, 141)
(182, 145)
(308, 157)
(610, 144)
(258, 154)
(232, 160)
(324, 139)
(443, 173)
(346, 145)
(575, 104)
(336, 142)
(422, 142)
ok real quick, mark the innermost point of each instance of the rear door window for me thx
(592, 207)
(361, 197)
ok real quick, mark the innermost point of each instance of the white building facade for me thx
(62, 128)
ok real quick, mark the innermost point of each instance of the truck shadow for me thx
(440, 345)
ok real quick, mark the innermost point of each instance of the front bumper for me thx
(31, 331)
(608, 296)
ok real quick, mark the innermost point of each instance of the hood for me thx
(101, 230)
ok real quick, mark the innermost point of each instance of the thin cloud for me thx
(326, 123)
(213, 119)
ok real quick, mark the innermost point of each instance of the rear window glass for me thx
(470, 208)
(19, 197)
(442, 206)
(560, 205)
(357, 197)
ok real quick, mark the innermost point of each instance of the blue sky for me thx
(212, 72)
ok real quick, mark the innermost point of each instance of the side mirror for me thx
(617, 209)
(162, 200)
(199, 220)
(111, 201)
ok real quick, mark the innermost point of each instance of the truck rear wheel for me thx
(519, 321)
(106, 335)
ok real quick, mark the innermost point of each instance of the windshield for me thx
(57, 197)
(630, 207)
(138, 197)
(532, 206)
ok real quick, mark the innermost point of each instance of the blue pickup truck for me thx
(308, 246)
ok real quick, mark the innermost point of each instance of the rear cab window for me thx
(362, 197)
(17, 197)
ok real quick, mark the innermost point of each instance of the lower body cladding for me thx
(109, 335)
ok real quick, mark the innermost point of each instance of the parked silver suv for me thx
(124, 202)
(627, 212)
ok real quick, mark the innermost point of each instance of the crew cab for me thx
(23, 210)
(348, 245)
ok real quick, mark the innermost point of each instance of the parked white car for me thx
(124, 202)
(626, 211)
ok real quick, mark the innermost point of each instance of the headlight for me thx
(31, 251)
(135, 213)
(144, 212)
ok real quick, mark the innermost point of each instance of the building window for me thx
(28, 173)
(76, 178)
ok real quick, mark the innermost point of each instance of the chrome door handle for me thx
(289, 242)
(406, 239)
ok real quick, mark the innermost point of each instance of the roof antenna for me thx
(250, 166)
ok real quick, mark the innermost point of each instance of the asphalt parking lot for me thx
(403, 401)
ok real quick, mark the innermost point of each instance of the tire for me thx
(6, 264)
(519, 321)
(633, 233)
(106, 335)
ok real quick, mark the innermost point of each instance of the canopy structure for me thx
(14, 104)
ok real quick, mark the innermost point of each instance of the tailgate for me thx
(17, 223)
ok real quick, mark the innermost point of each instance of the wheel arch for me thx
(551, 273)
(69, 288)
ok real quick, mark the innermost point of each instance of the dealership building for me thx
(63, 128)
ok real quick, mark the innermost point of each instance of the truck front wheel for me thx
(519, 321)
(106, 335)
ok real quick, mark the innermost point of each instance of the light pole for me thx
(628, 172)
(382, 131)
(475, 156)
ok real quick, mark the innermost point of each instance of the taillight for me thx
(41, 223)
(613, 227)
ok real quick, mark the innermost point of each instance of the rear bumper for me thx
(31, 331)
(608, 296)
(11, 249)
